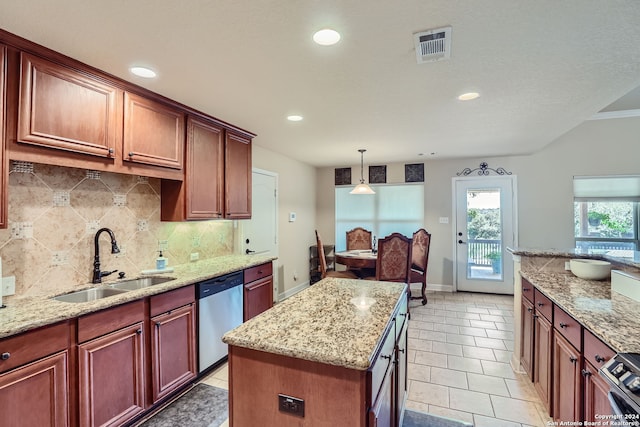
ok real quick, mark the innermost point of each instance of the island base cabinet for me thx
(333, 395)
(35, 394)
(566, 380)
(111, 377)
(382, 414)
(542, 360)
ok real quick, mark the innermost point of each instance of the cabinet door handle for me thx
(563, 325)
(599, 358)
(111, 151)
(529, 309)
(585, 373)
(5, 355)
(139, 331)
(401, 350)
(540, 304)
(535, 316)
(573, 359)
(130, 153)
(386, 357)
(525, 289)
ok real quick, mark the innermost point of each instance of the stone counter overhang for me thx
(632, 261)
(612, 317)
(320, 324)
(23, 314)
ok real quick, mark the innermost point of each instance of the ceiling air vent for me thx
(433, 45)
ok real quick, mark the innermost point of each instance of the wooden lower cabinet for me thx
(173, 337)
(542, 359)
(111, 377)
(382, 413)
(596, 389)
(567, 380)
(258, 290)
(527, 342)
(36, 394)
(4, 170)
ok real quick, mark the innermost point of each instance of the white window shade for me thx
(599, 187)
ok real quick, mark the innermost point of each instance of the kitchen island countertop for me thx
(321, 324)
(23, 314)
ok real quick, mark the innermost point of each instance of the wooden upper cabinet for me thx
(63, 109)
(237, 176)
(4, 171)
(205, 170)
(153, 132)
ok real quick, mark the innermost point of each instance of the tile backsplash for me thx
(54, 213)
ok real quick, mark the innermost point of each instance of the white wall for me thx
(296, 193)
(545, 192)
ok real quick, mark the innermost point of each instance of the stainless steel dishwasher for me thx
(220, 309)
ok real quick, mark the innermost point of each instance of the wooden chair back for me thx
(322, 259)
(394, 258)
(420, 250)
(358, 238)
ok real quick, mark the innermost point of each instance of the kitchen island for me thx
(333, 354)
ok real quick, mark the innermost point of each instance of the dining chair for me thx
(394, 258)
(358, 238)
(419, 260)
(322, 264)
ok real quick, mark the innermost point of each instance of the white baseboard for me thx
(291, 292)
(415, 287)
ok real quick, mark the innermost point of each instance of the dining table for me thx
(357, 259)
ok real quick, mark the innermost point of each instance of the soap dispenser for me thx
(161, 262)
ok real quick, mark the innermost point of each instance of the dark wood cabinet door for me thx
(173, 350)
(542, 360)
(66, 110)
(596, 390)
(204, 170)
(36, 394)
(526, 346)
(153, 133)
(237, 176)
(111, 377)
(258, 297)
(382, 412)
(567, 378)
(4, 170)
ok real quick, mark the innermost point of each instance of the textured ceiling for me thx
(541, 67)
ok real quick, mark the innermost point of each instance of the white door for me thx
(485, 213)
(260, 233)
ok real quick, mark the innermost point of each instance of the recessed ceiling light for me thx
(294, 118)
(147, 73)
(468, 96)
(326, 37)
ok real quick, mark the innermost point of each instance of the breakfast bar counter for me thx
(329, 353)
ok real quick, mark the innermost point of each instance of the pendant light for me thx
(362, 188)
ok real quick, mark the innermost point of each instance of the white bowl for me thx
(590, 269)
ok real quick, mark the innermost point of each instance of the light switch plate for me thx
(194, 256)
(444, 220)
(292, 216)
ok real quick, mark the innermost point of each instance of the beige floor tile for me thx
(520, 411)
(497, 369)
(490, 343)
(420, 344)
(456, 321)
(413, 333)
(419, 372)
(492, 318)
(432, 394)
(469, 316)
(447, 348)
(434, 319)
(482, 324)
(509, 344)
(482, 421)
(431, 359)
(521, 388)
(417, 406)
(503, 355)
(470, 401)
(215, 382)
(225, 423)
(487, 384)
(460, 339)
(442, 327)
(505, 326)
(478, 353)
(451, 414)
(433, 336)
(476, 332)
(419, 324)
(411, 355)
(222, 372)
(449, 377)
(498, 334)
(464, 364)
(501, 312)
(477, 310)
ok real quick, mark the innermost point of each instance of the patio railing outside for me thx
(479, 249)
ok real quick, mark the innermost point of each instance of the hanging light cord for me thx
(362, 165)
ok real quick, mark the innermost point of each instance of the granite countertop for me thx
(610, 316)
(23, 314)
(621, 257)
(320, 324)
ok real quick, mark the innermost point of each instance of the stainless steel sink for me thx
(140, 283)
(91, 294)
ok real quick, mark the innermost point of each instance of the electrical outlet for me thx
(567, 265)
(194, 256)
(291, 405)
(9, 285)
(163, 245)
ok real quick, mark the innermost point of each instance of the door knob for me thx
(461, 242)
(248, 251)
